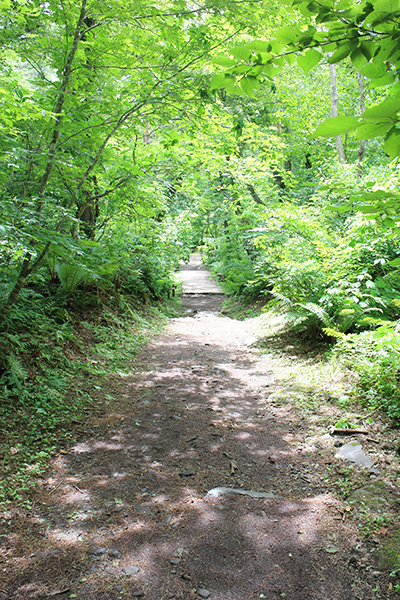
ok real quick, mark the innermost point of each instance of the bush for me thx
(375, 356)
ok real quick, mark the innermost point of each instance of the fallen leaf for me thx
(233, 466)
(331, 550)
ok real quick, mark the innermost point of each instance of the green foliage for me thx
(375, 355)
(366, 32)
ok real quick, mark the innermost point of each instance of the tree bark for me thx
(334, 112)
(363, 143)
(59, 105)
(254, 194)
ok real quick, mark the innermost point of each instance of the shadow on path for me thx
(126, 513)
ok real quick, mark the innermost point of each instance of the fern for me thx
(71, 276)
(318, 312)
(333, 333)
(18, 373)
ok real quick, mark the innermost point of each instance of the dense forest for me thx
(263, 135)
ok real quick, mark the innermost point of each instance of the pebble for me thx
(130, 570)
(187, 473)
(175, 561)
(98, 551)
(114, 553)
(118, 588)
(93, 570)
(137, 594)
(203, 593)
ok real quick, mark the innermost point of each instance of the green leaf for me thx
(368, 210)
(388, 108)
(368, 49)
(259, 46)
(387, 6)
(271, 70)
(290, 59)
(343, 50)
(223, 61)
(288, 34)
(219, 81)
(233, 88)
(366, 131)
(374, 71)
(395, 262)
(388, 79)
(336, 126)
(392, 143)
(308, 60)
(248, 84)
(241, 52)
(389, 222)
(357, 58)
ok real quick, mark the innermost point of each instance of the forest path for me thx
(127, 511)
(196, 279)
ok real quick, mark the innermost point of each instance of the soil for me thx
(126, 512)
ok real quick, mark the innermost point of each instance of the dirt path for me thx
(196, 279)
(128, 513)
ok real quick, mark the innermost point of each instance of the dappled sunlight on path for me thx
(126, 513)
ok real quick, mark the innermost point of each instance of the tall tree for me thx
(99, 76)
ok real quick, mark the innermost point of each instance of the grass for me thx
(53, 380)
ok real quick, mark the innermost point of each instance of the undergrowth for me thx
(53, 359)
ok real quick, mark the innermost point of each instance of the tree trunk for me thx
(59, 105)
(363, 143)
(254, 194)
(334, 112)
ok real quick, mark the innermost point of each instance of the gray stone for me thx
(220, 491)
(375, 496)
(98, 551)
(137, 594)
(175, 561)
(187, 473)
(204, 593)
(353, 453)
(143, 509)
(130, 570)
(114, 553)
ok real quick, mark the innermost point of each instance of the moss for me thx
(387, 556)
